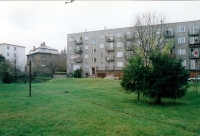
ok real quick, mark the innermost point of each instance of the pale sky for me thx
(29, 23)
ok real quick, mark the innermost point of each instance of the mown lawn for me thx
(93, 107)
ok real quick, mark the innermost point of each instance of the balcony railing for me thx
(78, 60)
(194, 67)
(109, 67)
(127, 47)
(110, 38)
(79, 42)
(110, 58)
(194, 32)
(196, 43)
(169, 34)
(194, 55)
(127, 37)
(128, 56)
(78, 51)
(171, 55)
(109, 49)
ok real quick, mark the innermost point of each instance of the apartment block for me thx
(102, 53)
(14, 53)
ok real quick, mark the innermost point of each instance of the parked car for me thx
(197, 78)
(190, 79)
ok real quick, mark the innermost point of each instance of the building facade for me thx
(102, 53)
(41, 56)
(14, 53)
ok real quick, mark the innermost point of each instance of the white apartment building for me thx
(14, 53)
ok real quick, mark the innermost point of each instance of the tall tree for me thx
(148, 32)
(2, 58)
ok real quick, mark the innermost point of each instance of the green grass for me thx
(93, 107)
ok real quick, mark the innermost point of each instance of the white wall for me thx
(20, 54)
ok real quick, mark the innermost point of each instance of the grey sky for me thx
(29, 23)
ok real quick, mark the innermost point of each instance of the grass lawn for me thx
(93, 107)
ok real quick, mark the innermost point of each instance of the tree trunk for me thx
(138, 95)
(158, 100)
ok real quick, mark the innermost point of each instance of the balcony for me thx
(109, 48)
(127, 47)
(110, 58)
(110, 38)
(127, 37)
(78, 60)
(169, 34)
(195, 44)
(195, 32)
(195, 67)
(194, 55)
(110, 68)
(172, 55)
(128, 56)
(78, 42)
(78, 51)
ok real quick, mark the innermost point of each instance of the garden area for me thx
(82, 106)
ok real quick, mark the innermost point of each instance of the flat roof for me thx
(12, 45)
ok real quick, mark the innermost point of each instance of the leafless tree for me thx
(149, 31)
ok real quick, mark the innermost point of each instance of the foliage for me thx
(77, 73)
(9, 72)
(95, 107)
(134, 75)
(2, 58)
(164, 77)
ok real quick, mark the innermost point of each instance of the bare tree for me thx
(150, 31)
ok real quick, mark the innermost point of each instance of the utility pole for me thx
(30, 78)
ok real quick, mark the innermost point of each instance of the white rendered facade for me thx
(14, 52)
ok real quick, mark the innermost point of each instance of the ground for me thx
(93, 107)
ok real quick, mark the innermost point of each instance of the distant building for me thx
(102, 53)
(14, 53)
(41, 55)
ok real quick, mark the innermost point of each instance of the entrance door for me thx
(93, 71)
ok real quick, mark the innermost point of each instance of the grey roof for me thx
(43, 49)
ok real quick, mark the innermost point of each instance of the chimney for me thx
(33, 48)
(44, 44)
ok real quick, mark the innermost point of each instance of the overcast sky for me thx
(29, 23)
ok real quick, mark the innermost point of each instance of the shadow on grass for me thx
(150, 102)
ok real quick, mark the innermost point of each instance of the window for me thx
(101, 36)
(128, 34)
(119, 64)
(86, 47)
(15, 55)
(119, 54)
(181, 29)
(158, 31)
(7, 53)
(71, 56)
(86, 37)
(86, 65)
(86, 55)
(184, 63)
(93, 50)
(119, 34)
(119, 44)
(181, 40)
(193, 39)
(71, 39)
(93, 60)
(71, 48)
(101, 55)
(101, 64)
(181, 51)
(192, 64)
(70, 65)
(15, 48)
(8, 47)
(93, 41)
(101, 45)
